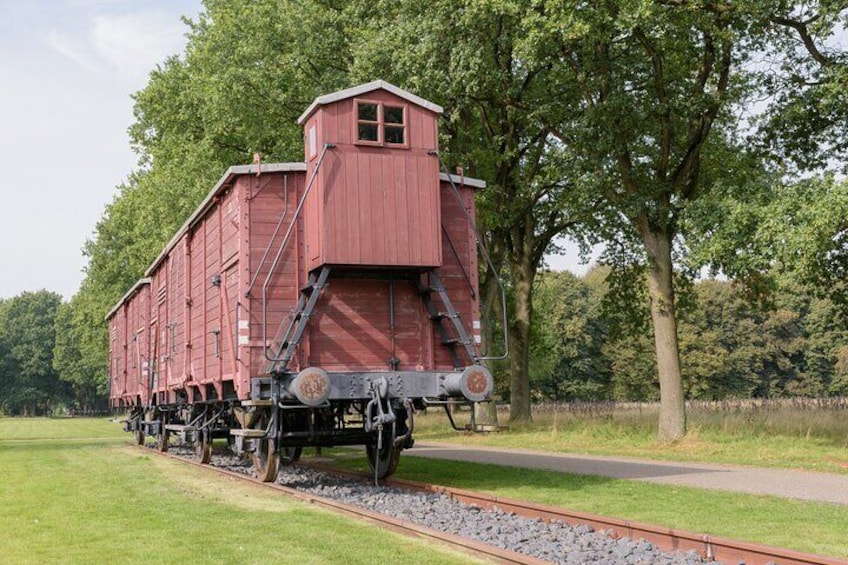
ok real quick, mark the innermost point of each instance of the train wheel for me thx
(290, 455)
(139, 435)
(162, 440)
(265, 460)
(203, 447)
(384, 461)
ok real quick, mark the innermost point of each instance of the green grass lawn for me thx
(803, 526)
(781, 438)
(74, 491)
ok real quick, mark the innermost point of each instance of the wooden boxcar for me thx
(312, 303)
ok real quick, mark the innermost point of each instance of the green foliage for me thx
(28, 383)
(468, 56)
(566, 355)
(79, 356)
(806, 119)
(730, 346)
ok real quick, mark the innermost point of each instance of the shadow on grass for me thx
(53, 444)
(480, 476)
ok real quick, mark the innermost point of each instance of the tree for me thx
(466, 55)
(27, 333)
(79, 355)
(569, 330)
(806, 121)
(649, 112)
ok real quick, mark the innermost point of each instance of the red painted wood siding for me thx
(271, 197)
(459, 271)
(129, 350)
(375, 206)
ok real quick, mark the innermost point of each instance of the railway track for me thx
(717, 548)
(681, 543)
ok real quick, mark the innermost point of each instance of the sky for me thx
(68, 69)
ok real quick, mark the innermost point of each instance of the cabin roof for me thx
(363, 89)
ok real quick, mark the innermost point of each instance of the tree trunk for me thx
(672, 425)
(519, 343)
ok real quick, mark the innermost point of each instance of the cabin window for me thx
(380, 124)
(394, 124)
(368, 120)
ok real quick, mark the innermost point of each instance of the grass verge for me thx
(804, 526)
(782, 437)
(90, 499)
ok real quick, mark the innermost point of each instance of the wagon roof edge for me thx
(140, 283)
(462, 180)
(199, 212)
(364, 88)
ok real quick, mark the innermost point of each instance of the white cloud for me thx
(69, 48)
(133, 43)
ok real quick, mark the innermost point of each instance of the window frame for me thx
(381, 124)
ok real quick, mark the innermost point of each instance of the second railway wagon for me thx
(314, 303)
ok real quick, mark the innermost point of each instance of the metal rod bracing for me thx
(285, 241)
(274, 235)
(489, 263)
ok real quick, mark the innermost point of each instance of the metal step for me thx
(248, 433)
(294, 332)
(179, 428)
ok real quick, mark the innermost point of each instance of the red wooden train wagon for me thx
(312, 303)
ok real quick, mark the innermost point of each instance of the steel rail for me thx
(468, 546)
(712, 547)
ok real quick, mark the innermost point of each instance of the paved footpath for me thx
(804, 485)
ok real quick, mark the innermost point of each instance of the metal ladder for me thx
(294, 332)
(451, 314)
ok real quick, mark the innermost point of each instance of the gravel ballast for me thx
(555, 541)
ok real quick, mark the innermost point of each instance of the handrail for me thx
(285, 242)
(488, 259)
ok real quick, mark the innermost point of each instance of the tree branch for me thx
(662, 98)
(806, 38)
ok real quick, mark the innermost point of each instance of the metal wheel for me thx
(265, 460)
(289, 455)
(383, 462)
(162, 439)
(139, 435)
(203, 446)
